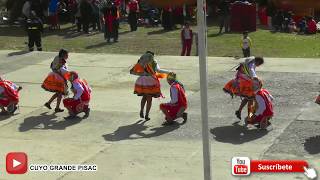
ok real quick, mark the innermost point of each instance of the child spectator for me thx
(186, 40)
(246, 44)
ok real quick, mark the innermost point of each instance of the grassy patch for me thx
(265, 43)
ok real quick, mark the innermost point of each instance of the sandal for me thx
(47, 105)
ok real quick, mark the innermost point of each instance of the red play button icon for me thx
(16, 163)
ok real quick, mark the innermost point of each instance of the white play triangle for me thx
(16, 163)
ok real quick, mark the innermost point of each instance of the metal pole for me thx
(201, 22)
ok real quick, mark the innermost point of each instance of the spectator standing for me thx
(34, 28)
(26, 9)
(178, 16)
(279, 19)
(224, 15)
(186, 40)
(133, 8)
(72, 8)
(111, 22)
(78, 16)
(95, 16)
(167, 18)
(246, 44)
(86, 14)
(53, 15)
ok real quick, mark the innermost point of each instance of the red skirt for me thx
(4, 102)
(260, 118)
(172, 110)
(75, 106)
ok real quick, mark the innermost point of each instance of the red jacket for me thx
(109, 18)
(9, 91)
(133, 6)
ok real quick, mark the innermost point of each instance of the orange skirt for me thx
(147, 85)
(240, 87)
(54, 82)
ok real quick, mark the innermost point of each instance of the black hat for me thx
(62, 52)
(149, 52)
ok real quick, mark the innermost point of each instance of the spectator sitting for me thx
(303, 26)
(318, 26)
(292, 26)
(312, 26)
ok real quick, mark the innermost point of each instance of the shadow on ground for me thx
(236, 134)
(104, 43)
(124, 32)
(135, 131)
(46, 121)
(215, 34)
(18, 53)
(70, 35)
(312, 145)
(160, 31)
(5, 117)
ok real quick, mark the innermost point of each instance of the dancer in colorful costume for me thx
(9, 96)
(147, 85)
(263, 108)
(177, 106)
(244, 83)
(56, 81)
(82, 95)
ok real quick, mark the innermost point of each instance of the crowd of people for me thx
(283, 21)
(103, 16)
(91, 13)
(106, 15)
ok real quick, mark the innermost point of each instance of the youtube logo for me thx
(16, 163)
(240, 166)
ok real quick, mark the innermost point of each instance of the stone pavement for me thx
(127, 148)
